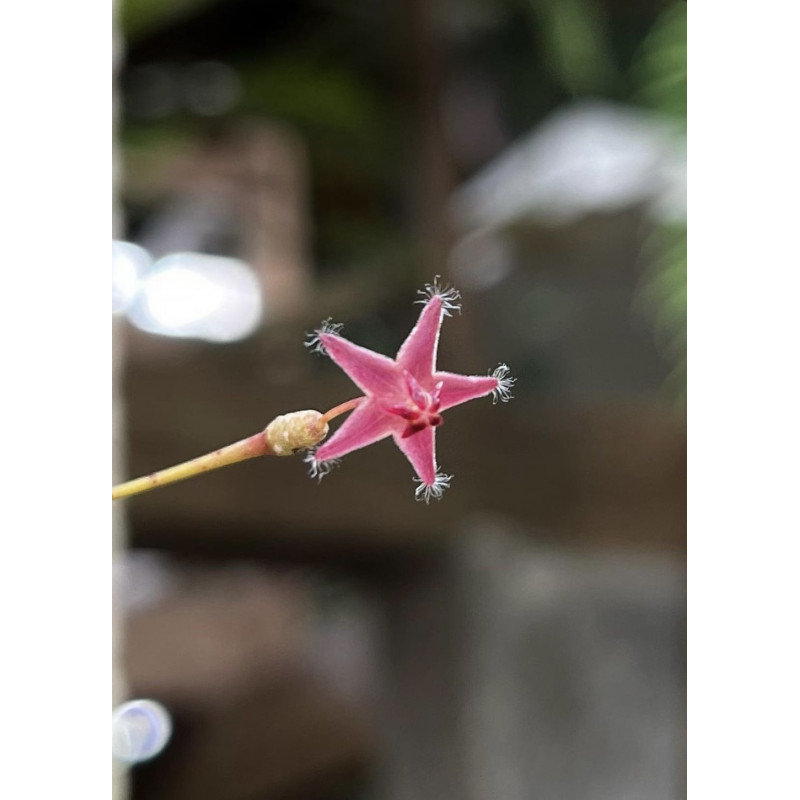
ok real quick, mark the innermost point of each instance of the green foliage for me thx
(140, 17)
(660, 76)
(314, 98)
(660, 69)
(662, 298)
(574, 39)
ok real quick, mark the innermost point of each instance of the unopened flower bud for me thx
(296, 431)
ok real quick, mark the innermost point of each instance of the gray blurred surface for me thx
(570, 682)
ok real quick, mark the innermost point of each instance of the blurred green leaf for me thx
(139, 17)
(662, 298)
(659, 71)
(659, 75)
(310, 96)
(575, 42)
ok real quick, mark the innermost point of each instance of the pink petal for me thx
(457, 389)
(418, 353)
(367, 424)
(374, 374)
(420, 450)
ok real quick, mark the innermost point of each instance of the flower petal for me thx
(418, 352)
(420, 450)
(367, 424)
(457, 389)
(374, 374)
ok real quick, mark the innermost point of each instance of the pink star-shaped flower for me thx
(405, 397)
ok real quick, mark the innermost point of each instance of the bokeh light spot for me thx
(192, 295)
(140, 730)
(129, 262)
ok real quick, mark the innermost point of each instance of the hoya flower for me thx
(404, 397)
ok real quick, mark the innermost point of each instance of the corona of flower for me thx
(404, 397)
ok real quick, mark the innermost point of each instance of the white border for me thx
(744, 447)
(55, 163)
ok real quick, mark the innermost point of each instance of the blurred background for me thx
(282, 162)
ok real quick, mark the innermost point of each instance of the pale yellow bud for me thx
(296, 431)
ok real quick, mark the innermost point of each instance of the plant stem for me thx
(293, 433)
(253, 446)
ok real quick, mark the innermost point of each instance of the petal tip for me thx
(319, 468)
(448, 295)
(314, 340)
(502, 392)
(425, 491)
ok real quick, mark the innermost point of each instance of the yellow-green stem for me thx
(252, 447)
(285, 435)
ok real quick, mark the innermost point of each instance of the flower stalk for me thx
(251, 447)
(284, 436)
(342, 408)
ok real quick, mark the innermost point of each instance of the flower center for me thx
(420, 409)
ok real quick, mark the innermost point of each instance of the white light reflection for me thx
(140, 729)
(192, 295)
(178, 298)
(129, 262)
(588, 158)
